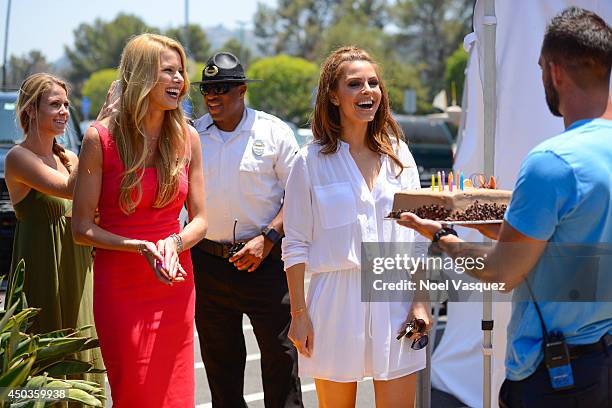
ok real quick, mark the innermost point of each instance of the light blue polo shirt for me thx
(563, 195)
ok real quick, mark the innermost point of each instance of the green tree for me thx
(296, 27)
(19, 68)
(196, 43)
(369, 13)
(429, 31)
(235, 47)
(349, 31)
(398, 76)
(287, 90)
(455, 72)
(194, 70)
(99, 45)
(96, 87)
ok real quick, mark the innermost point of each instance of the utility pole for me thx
(6, 35)
(187, 28)
(241, 25)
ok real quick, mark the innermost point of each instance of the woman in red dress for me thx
(138, 167)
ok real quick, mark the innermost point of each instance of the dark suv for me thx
(10, 134)
(431, 144)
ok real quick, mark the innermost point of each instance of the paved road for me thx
(253, 388)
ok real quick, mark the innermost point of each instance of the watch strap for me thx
(271, 234)
(442, 232)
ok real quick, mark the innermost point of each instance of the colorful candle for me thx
(461, 181)
(443, 179)
(439, 182)
(457, 180)
(433, 182)
(450, 181)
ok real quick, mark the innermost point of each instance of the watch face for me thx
(271, 234)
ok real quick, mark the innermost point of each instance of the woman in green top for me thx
(40, 176)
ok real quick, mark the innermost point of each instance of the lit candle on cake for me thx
(443, 179)
(450, 181)
(439, 182)
(461, 181)
(433, 182)
(457, 180)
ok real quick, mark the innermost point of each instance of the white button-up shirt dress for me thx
(328, 212)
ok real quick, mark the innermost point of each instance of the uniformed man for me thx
(247, 157)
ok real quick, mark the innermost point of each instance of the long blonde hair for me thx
(139, 68)
(31, 92)
(326, 126)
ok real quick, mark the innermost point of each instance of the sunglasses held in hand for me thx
(416, 326)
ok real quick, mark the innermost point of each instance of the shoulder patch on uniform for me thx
(270, 117)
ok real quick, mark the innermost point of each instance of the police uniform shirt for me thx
(245, 175)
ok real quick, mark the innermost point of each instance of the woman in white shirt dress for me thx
(338, 193)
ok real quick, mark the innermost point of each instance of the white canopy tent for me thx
(517, 120)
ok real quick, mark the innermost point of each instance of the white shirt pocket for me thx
(336, 204)
(257, 175)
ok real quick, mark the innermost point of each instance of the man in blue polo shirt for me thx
(563, 196)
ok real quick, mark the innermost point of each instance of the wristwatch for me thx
(271, 234)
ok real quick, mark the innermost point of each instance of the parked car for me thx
(303, 136)
(11, 134)
(431, 144)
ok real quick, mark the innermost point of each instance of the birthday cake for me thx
(457, 203)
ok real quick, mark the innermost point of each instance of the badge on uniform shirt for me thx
(258, 147)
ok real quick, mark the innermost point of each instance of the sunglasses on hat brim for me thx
(218, 88)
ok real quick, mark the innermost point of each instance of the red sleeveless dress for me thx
(145, 327)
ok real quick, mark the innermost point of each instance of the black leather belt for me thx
(217, 249)
(602, 345)
(221, 250)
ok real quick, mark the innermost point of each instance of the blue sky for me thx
(48, 25)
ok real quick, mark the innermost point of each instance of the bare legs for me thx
(332, 394)
(396, 393)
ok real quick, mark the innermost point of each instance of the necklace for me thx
(152, 145)
(360, 153)
(45, 156)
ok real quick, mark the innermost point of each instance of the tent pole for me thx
(490, 112)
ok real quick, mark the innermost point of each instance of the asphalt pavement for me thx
(253, 389)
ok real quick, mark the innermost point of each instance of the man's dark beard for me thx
(552, 96)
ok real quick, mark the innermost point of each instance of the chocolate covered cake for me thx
(469, 204)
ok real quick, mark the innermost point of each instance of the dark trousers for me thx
(592, 379)
(223, 295)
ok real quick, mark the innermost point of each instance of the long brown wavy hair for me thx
(326, 126)
(31, 92)
(139, 68)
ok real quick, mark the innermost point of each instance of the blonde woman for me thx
(139, 167)
(39, 175)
